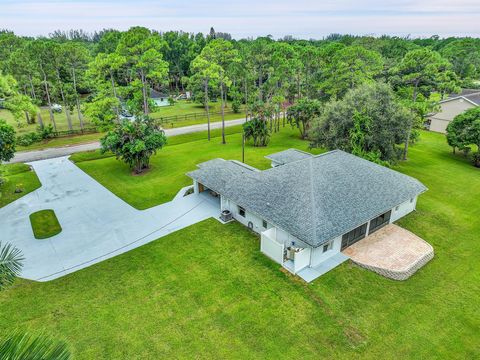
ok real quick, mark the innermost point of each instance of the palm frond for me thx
(23, 346)
(11, 262)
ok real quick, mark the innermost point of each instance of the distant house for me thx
(159, 98)
(308, 208)
(451, 107)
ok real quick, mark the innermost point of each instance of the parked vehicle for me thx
(57, 108)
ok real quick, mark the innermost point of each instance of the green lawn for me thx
(17, 176)
(22, 127)
(45, 224)
(183, 107)
(168, 167)
(180, 109)
(63, 141)
(211, 294)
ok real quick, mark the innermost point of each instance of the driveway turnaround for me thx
(34, 155)
(96, 224)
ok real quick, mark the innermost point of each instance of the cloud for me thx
(301, 18)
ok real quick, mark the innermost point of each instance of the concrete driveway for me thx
(96, 224)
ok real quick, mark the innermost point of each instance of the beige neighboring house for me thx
(451, 107)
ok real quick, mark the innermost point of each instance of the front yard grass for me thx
(207, 292)
(45, 224)
(18, 177)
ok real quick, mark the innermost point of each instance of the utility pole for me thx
(243, 146)
(243, 135)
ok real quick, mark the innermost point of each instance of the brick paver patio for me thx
(392, 252)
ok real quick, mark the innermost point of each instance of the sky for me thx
(249, 18)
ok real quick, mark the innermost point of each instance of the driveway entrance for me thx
(97, 225)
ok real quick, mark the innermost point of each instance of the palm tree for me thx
(257, 130)
(32, 347)
(11, 262)
(20, 346)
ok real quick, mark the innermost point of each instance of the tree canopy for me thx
(134, 142)
(464, 131)
(368, 122)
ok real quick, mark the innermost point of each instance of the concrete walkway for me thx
(96, 224)
(27, 156)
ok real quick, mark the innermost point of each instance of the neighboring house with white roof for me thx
(307, 207)
(451, 107)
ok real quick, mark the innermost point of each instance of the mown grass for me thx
(63, 141)
(167, 169)
(21, 126)
(180, 109)
(207, 292)
(44, 224)
(16, 177)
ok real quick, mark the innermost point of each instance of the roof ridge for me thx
(312, 198)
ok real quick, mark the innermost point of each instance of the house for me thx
(159, 98)
(451, 107)
(308, 208)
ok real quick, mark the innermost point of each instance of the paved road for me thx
(50, 153)
(96, 224)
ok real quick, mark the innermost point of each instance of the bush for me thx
(236, 106)
(28, 139)
(134, 142)
(7, 141)
(46, 132)
(476, 159)
(257, 130)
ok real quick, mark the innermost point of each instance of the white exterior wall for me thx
(403, 209)
(318, 255)
(270, 247)
(302, 259)
(310, 256)
(249, 217)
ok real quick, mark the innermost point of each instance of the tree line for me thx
(101, 75)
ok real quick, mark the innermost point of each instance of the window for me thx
(264, 223)
(241, 211)
(379, 222)
(353, 236)
(327, 246)
(411, 200)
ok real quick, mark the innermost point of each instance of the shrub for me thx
(28, 139)
(134, 142)
(7, 141)
(476, 159)
(236, 106)
(46, 132)
(257, 130)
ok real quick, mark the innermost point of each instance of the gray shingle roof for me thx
(472, 95)
(315, 199)
(288, 156)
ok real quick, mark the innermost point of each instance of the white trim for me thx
(460, 97)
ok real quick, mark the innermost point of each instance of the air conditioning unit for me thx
(226, 215)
